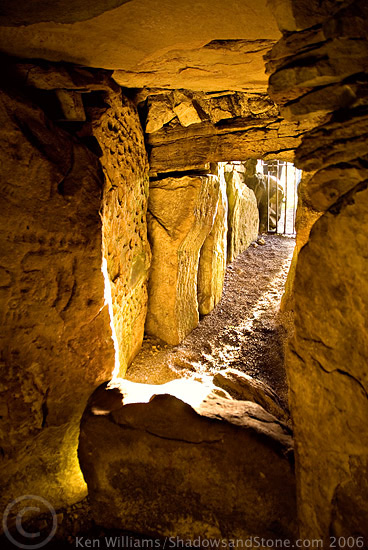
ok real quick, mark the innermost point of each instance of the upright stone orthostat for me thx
(125, 244)
(181, 215)
(212, 262)
(327, 356)
(243, 215)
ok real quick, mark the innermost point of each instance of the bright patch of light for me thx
(108, 302)
(190, 391)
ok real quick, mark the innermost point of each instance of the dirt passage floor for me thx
(242, 332)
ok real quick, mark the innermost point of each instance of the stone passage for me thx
(223, 470)
(243, 332)
(196, 224)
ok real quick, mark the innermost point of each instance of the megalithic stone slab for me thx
(243, 215)
(212, 262)
(223, 471)
(55, 335)
(181, 215)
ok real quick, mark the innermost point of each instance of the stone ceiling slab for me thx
(206, 44)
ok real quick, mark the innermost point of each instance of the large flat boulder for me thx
(203, 46)
(222, 470)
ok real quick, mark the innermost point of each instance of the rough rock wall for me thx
(109, 123)
(243, 215)
(124, 160)
(212, 261)
(181, 215)
(56, 344)
(314, 71)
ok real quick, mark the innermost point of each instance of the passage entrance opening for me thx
(282, 180)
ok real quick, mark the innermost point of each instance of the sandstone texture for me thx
(328, 55)
(181, 214)
(232, 64)
(327, 369)
(56, 344)
(243, 216)
(115, 124)
(322, 70)
(112, 130)
(247, 388)
(202, 46)
(187, 107)
(220, 471)
(212, 261)
(232, 127)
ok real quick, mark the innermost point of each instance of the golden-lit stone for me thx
(327, 356)
(160, 112)
(206, 45)
(326, 364)
(306, 216)
(247, 388)
(56, 344)
(125, 244)
(172, 149)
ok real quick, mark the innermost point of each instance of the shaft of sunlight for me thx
(108, 301)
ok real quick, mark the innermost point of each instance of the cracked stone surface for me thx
(326, 365)
(186, 130)
(221, 470)
(172, 148)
